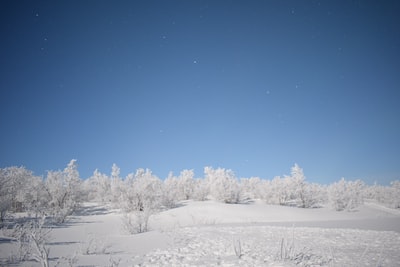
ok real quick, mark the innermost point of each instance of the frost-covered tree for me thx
(31, 238)
(386, 195)
(201, 189)
(346, 195)
(179, 188)
(72, 180)
(142, 191)
(299, 186)
(116, 184)
(141, 197)
(252, 188)
(395, 194)
(6, 193)
(292, 190)
(307, 195)
(100, 186)
(58, 200)
(282, 190)
(223, 185)
(186, 184)
(19, 190)
(63, 191)
(170, 191)
(35, 199)
(278, 191)
(316, 195)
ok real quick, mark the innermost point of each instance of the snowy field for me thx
(211, 233)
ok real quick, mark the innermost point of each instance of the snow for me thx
(211, 233)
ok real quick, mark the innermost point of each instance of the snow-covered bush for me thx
(346, 195)
(141, 191)
(94, 246)
(386, 195)
(32, 238)
(293, 190)
(223, 185)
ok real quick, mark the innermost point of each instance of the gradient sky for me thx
(252, 86)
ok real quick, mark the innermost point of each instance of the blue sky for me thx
(252, 86)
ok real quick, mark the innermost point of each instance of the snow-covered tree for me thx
(19, 190)
(292, 190)
(346, 195)
(6, 193)
(386, 195)
(72, 181)
(223, 185)
(306, 195)
(170, 191)
(100, 187)
(141, 191)
(63, 191)
(278, 191)
(299, 186)
(141, 197)
(201, 189)
(58, 205)
(31, 238)
(116, 184)
(185, 184)
(252, 188)
(35, 199)
(178, 188)
(395, 194)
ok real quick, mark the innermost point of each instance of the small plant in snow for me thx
(114, 262)
(86, 247)
(303, 256)
(136, 222)
(286, 250)
(237, 247)
(93, 246)
(69, 261)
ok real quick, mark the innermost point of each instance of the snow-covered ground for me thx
(210, 233)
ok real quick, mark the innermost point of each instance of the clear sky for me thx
(252, 86)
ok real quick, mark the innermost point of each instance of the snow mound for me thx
(210, 233)
(275, 246)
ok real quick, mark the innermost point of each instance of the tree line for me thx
(60, 193)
